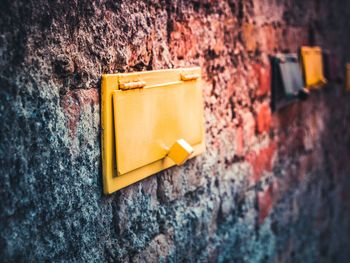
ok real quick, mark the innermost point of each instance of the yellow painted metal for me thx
(144, 114)
(347, 77)
(313, 67)
(180, 151)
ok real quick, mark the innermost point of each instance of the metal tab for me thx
(180, 151)
(188, 77)
(132, 85)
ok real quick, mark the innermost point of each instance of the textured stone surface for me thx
(271, 186)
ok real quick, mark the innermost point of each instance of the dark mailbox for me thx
(331, 66)
(287, 80)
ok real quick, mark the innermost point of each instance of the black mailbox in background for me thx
(287, 80)
(331, 67)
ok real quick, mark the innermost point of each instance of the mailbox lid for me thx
(313, 66)
(149, 120)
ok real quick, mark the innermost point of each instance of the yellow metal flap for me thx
(149, 113)
(313, 67)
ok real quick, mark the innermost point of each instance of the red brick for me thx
(270, 39)
(71, 109)
(263, 118)
(248, 122)
(261, 161)
(218, 44)
(292, 38)
(182, 40)
(249, 36)
(264, 79)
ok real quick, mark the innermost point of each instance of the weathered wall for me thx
(271, 187)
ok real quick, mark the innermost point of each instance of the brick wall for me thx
(270, 187)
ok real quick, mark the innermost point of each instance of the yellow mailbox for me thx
(150, 121)
(313, 67)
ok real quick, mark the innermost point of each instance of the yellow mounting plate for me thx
(313, 67)
(144, 116)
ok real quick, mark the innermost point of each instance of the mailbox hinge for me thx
(187, 77)
(132, 85)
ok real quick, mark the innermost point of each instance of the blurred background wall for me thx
(270, 187)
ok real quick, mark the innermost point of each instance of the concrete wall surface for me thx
(271, 187)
